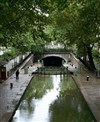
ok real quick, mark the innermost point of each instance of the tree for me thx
(87, 29)
(79, 23)
(19, 18)
(74, 22)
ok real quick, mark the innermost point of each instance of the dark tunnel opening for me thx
(52, 61)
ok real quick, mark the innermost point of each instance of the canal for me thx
(52, 98)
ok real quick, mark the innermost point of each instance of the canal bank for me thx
(89, 86)
(10, 96)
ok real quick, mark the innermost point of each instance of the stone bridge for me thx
(56, 59)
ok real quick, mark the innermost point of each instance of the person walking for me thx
(17, 74)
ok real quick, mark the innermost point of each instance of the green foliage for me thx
(12, 53)
(24, 42)
(21, 19)
(33, 23)
(79, 24)
(58, 50)
(38, 49)
(96, 55)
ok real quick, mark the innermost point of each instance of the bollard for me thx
(11, 85)
(87, 78)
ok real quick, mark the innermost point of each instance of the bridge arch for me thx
(65, 57)
(53, 60)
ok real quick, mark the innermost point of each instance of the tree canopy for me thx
(23, 25)
(23, 22)
(79, 24)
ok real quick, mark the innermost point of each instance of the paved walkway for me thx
(90, 90)
(9, 97)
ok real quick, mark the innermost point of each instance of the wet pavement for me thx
(90, 88)
(10, 97)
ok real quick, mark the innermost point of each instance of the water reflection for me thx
(52, 98)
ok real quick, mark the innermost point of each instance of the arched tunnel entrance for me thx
(52, 61)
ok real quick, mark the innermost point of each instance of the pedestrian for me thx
(11, 85)
(17, 74)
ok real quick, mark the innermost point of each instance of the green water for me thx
(52, 98)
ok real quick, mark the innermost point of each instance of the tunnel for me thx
(52, 61)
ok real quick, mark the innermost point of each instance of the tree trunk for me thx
(91, 62)
(84, 55)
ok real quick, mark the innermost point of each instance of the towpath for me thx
(90, 89)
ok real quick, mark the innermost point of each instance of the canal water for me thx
(52, 98)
